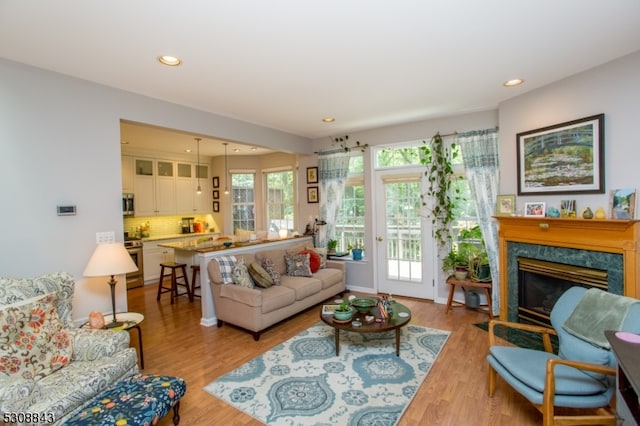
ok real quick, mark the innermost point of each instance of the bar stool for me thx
(173, 289)
(194, 282)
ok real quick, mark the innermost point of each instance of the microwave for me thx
(127, 204)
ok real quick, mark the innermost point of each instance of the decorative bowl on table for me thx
(343, 315)
(364, 304)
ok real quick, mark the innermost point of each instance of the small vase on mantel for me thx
(587, 213)
(600, 213)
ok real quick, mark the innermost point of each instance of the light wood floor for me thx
(454, 392)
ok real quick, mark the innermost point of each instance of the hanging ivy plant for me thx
(344, 144)
(442, 196)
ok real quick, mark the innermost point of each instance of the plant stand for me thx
(465, 284)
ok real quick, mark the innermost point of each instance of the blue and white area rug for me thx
(303, 382)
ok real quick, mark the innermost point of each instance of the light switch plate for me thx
(105, 237)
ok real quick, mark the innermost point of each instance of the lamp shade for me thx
(109, 259)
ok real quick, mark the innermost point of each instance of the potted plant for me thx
(457, 261)
(356, 250)
(343, 312)
(332, 245)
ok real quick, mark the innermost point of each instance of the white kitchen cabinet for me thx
(188, 200)
(154, 187)
(127, 173)
(153, 256)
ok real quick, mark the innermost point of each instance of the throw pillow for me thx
(35, 343)
(314, 260)
(322, 252)
(260, 276)
(298, 265)
(270, 266)
(226, 263)
(240, 274)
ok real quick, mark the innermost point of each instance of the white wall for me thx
(612, 89)
(60, 144)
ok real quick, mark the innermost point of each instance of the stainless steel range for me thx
(134, 247)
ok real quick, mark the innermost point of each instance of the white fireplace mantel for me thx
(611, 236)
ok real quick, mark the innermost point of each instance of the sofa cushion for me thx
(303, 286)
(314, 259)
(240, 274)
(298, 265)
(276, 256)
(33, 340)
(269, 266)
(329, 277)
(260, 276)
(16, 289)
(296, 248)
(322, 254)
(226, 264)
(277, 297)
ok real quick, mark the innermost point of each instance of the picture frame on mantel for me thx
(535, 209)
(566, 158)
(506, 205)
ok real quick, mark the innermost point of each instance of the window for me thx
(242, 201)
(280, 198)
(350, 223)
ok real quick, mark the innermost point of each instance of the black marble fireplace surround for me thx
(612, 263)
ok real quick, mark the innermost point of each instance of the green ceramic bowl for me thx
(364, 304)
(343, 315)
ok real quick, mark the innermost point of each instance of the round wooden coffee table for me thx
(400, 318)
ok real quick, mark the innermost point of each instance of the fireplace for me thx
(541, 283)
(610, 247)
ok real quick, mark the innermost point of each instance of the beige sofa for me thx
(255, 309)
(47, 381)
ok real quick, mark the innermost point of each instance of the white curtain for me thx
(480, 156)
(333, 168)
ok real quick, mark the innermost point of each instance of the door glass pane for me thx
(144, 167)
(184, 170)
(404, 235)
(165, 168)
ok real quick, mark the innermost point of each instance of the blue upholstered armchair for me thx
(582, 374)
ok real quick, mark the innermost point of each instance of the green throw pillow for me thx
(260, 276)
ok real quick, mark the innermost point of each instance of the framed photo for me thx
(622, 203)
(216, 206)
(312, 175)
(312, 194)
(506, 205)
(216, 181)
(568, 209)
(536, 209)
(216, 194)
(565, 158)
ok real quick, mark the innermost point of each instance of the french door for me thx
(404, 245)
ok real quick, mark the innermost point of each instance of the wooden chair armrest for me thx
(545, 332)
(550, 383)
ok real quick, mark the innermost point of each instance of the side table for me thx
(130, 320)
(453, 282)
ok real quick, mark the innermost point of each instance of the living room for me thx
(61, 147)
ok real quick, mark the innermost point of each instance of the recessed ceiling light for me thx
(188, 150)
(514, 82)
(328, 119)
(124, 142)
(253, 148)
(172, 61)
(236, 150)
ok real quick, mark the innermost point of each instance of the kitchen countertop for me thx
(173, 236)
(200, 245)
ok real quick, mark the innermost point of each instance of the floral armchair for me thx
(47, 364)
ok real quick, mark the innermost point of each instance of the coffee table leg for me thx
(397, 342)
(337, 339)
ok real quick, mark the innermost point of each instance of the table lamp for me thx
(110, 259)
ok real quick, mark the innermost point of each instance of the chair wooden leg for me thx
(491, 380)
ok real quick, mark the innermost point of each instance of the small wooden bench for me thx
(142, 399)
(453, 282)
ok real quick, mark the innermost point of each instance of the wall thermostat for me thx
(66, 210)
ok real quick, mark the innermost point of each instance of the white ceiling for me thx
(286, 64)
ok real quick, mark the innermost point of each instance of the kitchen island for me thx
(202, 250)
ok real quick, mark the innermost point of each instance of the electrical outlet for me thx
(105, 237)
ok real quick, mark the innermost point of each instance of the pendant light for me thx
(226, 173)
(199, 188)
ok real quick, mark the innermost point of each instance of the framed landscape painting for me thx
(565, 158)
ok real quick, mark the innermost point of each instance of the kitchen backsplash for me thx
(165, 225)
